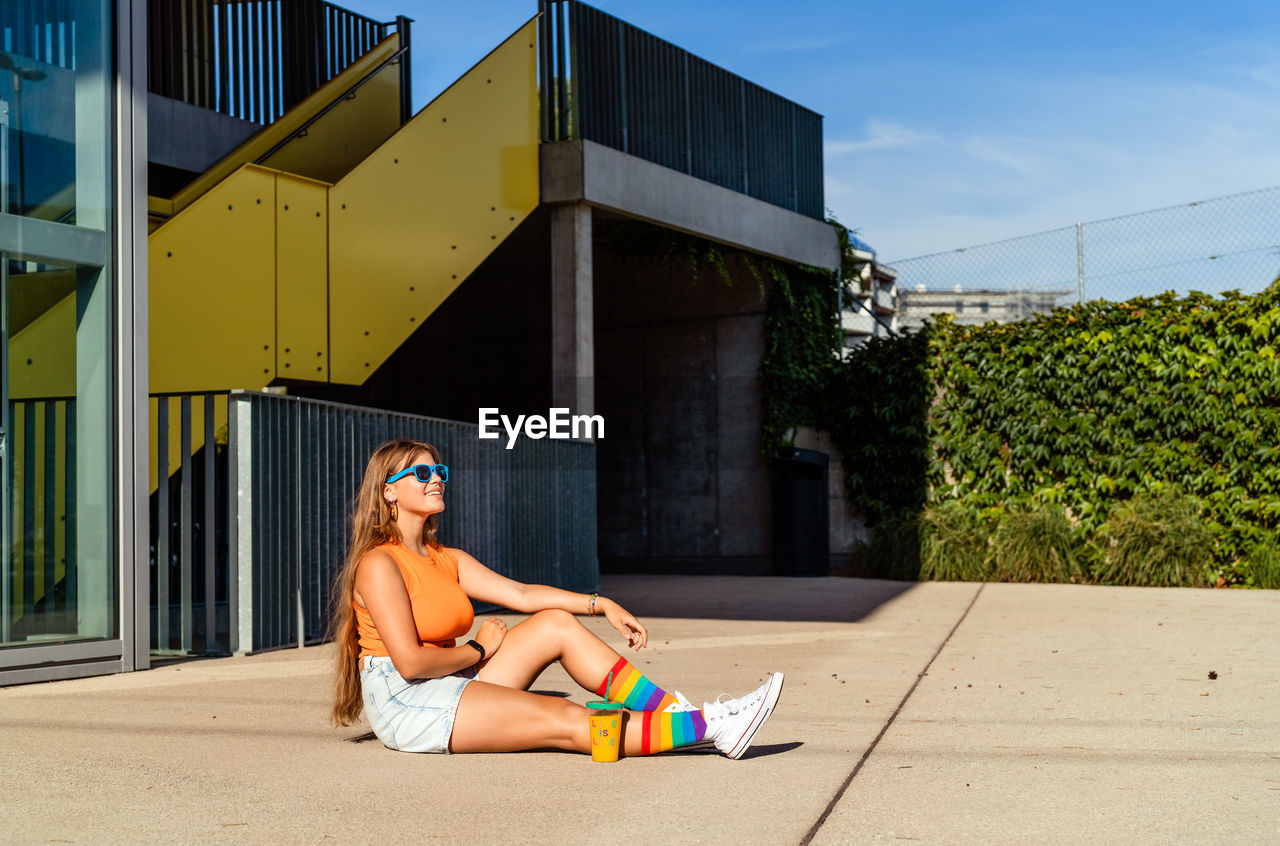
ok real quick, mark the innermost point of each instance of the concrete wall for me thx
(608, 179)
(489, 343)
(191, 138)
(184, 140)
(682, 486)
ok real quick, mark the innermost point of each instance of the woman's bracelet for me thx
(591, 605)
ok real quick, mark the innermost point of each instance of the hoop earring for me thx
(395, 511)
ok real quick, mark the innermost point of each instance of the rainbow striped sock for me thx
(633, 690)
(667, 731)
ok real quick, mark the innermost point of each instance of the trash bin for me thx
(800, 512)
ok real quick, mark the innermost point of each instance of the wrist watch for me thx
(479, 649)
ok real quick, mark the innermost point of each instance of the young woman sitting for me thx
(402, 601)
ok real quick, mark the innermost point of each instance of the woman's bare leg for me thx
(495, 718)
(531, 646)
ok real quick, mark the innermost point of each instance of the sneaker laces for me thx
(723, 706)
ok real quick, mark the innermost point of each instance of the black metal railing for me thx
(256, 59)
(297, 464)
(607, 81)
(190, 583)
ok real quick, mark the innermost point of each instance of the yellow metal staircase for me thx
(273, 274)
(269, 271)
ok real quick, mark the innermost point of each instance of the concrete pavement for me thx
(937, 712)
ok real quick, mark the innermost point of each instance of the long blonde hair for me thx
(370, 526)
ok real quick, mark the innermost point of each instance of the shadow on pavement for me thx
(828, 600)
(761, 750)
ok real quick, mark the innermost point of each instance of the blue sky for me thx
(948, 124)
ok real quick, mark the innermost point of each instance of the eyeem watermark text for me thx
(558, 424)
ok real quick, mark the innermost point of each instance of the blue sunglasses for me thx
(423, 473)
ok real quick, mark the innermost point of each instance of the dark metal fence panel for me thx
(528, 512)
(607, 81)
(715, 108)
(253, 59)
(657, 110)
(331, 444)
(276, 565)
(181, 50)
(597, 106)
(770, 147)
(810, 199)
(190, 582)
(553, 69)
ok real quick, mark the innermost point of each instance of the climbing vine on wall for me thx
(801, 327)
(801, 339)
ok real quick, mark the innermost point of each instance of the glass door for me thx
(60, 574)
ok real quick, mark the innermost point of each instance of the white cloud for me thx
(880, 135)
(1003, 153)
(1268, 76)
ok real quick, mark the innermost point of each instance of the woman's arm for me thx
(381, 589)
(483, 584)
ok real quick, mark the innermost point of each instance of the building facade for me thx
(73, 557)
(149, 298)
(873, 311)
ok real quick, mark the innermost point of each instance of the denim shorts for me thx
(411, 716)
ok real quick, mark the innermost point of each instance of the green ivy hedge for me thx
(1091, 409)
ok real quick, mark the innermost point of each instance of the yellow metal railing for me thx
(378, 118)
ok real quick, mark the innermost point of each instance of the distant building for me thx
(972, 308)
(874, 311)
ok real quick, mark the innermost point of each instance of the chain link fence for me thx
(1221, 244)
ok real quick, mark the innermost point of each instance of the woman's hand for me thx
(627, 625)
(490, 636)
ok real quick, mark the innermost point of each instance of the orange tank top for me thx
(441, 611)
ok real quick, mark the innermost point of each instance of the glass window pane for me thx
(58, 573)
(54, 66)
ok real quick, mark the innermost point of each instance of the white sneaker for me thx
(733, 723)
(681, 705)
